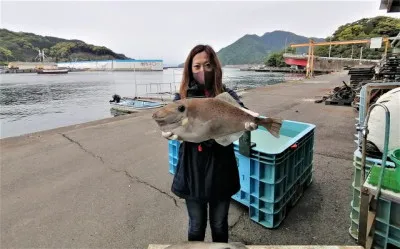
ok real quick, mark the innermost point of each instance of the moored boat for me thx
(52, 71)
(132, 105)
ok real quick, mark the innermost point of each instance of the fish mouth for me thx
(158, 119)
(165, 121)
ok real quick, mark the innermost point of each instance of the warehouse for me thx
(115, 65)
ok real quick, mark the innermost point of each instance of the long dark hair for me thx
(187, 71)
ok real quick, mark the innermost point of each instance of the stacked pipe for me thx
(360, 73)
(390, 70)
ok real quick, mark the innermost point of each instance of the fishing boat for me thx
(52, 71)
(132, 105)
(48, 67)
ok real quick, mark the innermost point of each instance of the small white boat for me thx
(132, 105)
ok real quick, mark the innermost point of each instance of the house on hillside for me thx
(390, 5)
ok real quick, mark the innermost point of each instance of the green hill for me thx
(253, 49)
(362, 29)
(22, 46)
(248, 49)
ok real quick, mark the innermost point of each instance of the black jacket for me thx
(206, 171)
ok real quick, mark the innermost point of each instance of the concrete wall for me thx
(30, 65)
(327, 63)
(336, 65)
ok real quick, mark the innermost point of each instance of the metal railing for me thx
(304, 56)
(157, 90)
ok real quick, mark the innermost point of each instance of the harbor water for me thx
(32, 102)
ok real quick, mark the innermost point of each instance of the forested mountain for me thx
(21, 46)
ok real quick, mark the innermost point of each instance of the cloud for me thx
(168, 30)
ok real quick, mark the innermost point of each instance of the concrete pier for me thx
(106, 184)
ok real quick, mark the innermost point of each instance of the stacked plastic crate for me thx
(355, 203)
(388, 218)
(272, 180)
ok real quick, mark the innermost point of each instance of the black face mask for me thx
(205, 79)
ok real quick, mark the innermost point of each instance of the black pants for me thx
(218, 214)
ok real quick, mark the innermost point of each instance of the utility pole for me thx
(352, 51)
(285, 44)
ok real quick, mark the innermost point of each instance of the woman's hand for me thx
(250, 126)
(169, 135)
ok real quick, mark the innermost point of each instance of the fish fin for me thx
(254, 114)
(273, 125)
(225, 96)
(227, 140)
(229, 99)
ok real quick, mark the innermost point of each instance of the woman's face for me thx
(201, 62)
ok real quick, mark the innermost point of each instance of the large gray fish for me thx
(220, 118)
(207, 245)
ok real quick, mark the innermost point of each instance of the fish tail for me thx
(273, 125)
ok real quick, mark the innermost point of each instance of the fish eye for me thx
(181, 108)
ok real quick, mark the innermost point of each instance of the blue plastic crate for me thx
(287, 165)
(355, 202)
(271, 214)
(269, 185)
(278, 184)
(273, 177)
(387, 225)
(243, 195)
(173, 152)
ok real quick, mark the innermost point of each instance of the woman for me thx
(207, 172)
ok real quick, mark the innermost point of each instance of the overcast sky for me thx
(168, 30)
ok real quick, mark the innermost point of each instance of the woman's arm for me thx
(235, 96)
(249, 125)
